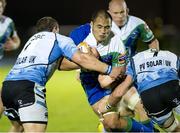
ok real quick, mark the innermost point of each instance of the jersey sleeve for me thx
(146, 34)
(80, 33)
(130, 70)
(119, 53)
(67, 46)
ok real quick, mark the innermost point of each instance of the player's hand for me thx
(115, 74)
(9, 45)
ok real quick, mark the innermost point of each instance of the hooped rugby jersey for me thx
(150, 69)
(37, 60)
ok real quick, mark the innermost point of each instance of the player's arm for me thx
(85, 60)
(105, 81)
(148, 37)
(12, 43)
(154, 44)
(66, 65)
(116, 95)
(88, 61)
(120, 90)
(92, 63)
(119, 60)
(13, 40)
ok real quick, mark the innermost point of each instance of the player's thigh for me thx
(34, 110)
(131, 98)
(124, 110)
(25, 101)
(1, 105)
(34, 127)
(100, 104)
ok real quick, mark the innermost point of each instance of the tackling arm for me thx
(67, 65)
(105, 80)
(120, 90)
(154, 44)
(92, 63)
(116, 95)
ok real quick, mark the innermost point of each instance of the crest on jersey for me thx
(122, 58)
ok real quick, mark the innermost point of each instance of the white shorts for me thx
(25, 101)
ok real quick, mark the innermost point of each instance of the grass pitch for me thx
(67, 105)
(68, 108)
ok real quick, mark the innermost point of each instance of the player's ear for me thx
(91, 23)
(55, 29)
(127, 10)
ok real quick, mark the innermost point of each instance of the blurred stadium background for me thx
(68, 108)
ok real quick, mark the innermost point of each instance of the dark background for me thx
(162, 16)
(26, 12)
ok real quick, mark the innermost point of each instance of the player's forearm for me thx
(90, 62)
(154, 44)
(67, 65)
(16, 42)
(119, 91)
(105, 80)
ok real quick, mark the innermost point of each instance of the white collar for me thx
(91, 40)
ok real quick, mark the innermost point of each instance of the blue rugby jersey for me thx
(149, 69)
(38, 59)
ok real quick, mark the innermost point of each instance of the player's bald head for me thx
(3, 3)
(113, 3)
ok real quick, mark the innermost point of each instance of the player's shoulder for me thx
(142, 54)
(167, 53)
(150, 52)
(85, 27)
(80, 33)
(136, 20)
(63, 39)
(6, 19)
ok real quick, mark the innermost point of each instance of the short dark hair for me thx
(3, 3)
(46, 24)
(100, 13)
